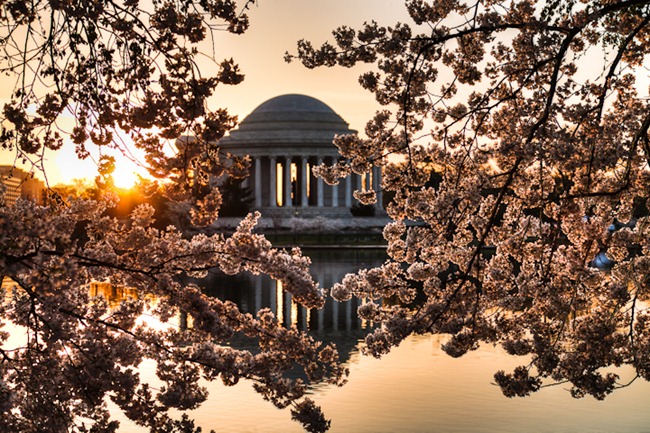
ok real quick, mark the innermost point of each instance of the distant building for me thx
(285, 137)
(11, 178)
(21, 184)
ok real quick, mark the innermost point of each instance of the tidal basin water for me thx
(415, 388)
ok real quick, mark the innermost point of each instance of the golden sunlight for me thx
(66, 166)
(125, 176)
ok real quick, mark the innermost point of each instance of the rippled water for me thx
(415, 388)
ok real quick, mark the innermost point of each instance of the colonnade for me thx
(300, 188)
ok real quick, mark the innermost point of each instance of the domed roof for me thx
(289, 120)
(295, 109)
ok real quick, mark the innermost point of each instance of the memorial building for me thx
(285, 137)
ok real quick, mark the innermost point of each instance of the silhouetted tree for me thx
(236, 198)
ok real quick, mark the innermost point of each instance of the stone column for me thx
(258, 294)
(335, 191)
(273, 296)
(348, 190)
(258, 182)
(273, 183)
(303, 182)
(302, 315)
(287, 182)
(319, 186)
(288, 305)
(377, 187)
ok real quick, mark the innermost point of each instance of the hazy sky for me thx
(276, 25)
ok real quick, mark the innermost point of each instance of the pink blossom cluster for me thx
(78, 351)
(519, 187)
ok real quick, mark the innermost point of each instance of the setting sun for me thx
(324, 216)
(66, 166)
(125, 174)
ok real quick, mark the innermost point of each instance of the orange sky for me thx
(275, 27)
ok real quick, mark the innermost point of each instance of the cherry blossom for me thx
(509, 152)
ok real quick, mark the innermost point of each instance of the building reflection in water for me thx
(337, 322)
(112, 293)
(254, 292)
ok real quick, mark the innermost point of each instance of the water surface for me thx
(416, 388)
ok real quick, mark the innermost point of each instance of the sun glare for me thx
(125, 176)
(66, 166)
